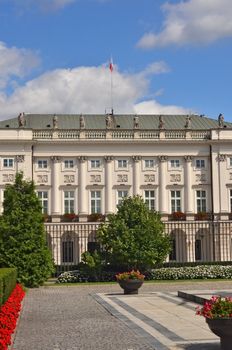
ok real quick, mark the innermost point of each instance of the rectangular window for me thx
(8, 162)
(230, 162)
(149, 163)
(69, 164)
(175, 201)
(95, 202)
(149, 197)
(121, 195)
(95, 163)
(200, 163)
(175, 163)
(43, 197)
(69, 202)
(42, 164)
(201, 201)
(122, 163)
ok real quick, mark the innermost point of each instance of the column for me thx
(55, 195)
(136, 175)
(108, 188)
(189, 199)
(163, 207)
(82, 193)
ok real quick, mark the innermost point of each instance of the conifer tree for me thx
(22, 234)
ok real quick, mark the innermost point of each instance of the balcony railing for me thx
(93, 134)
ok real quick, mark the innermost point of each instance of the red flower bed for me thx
(9, 313)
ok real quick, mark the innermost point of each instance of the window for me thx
(175, 201)
(149, 163)
(121, 196)
(67, 251)
(95, 202)
(122, 163)
(230, 162)
(43, 197)
(95, 164)
(68, 202)
(175, 163)
(200, 163)
(8, 162)
(201, 201)
(42, 164)
(149, 197)
(69, 164)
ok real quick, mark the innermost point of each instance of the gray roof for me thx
(72, 121)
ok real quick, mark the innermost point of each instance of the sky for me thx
(169, 57)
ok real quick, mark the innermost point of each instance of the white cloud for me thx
(192, 22)
(153, 107)
(15, 62)
(83, 90)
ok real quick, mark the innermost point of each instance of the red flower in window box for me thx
(68, 217)
(178, 215)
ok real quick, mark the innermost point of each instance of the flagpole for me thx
(111, 84)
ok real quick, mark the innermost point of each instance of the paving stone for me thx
(70, 318)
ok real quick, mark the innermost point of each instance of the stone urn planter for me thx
(130, 281)
(222, 327)
(218, 315)
(130, 286)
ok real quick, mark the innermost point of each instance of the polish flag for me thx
(111, 67)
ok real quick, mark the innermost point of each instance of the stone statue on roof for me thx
(220, 121)
(188, 122)
(55, 122)
(21, 120)
(136, 122)
(108, 121)
(161, 122)
(82, 122)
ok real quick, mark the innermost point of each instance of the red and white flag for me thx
(111, 66)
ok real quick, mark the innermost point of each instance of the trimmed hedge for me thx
(193, 263)
(8, 278)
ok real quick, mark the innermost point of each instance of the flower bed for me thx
(197, 272)
(9, 313)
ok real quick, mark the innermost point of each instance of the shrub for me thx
(23, 235)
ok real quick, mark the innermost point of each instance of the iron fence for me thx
(196, 241)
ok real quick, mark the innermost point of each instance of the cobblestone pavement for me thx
(69, 318)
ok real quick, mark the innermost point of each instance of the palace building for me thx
(85, 164)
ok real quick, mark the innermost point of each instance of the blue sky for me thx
(169, 57)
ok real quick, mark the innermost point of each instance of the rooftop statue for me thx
(136, 122)
(21, 120)
(55, 122)
(220, 121)
(161, 122)
(82, 122)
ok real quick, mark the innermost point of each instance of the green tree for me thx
(134, 237)
(22, 234)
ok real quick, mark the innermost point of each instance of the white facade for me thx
(87, 171)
